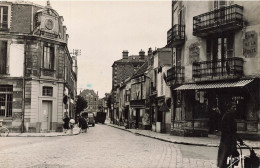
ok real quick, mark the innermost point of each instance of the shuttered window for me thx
(3, 57)
(4, 17)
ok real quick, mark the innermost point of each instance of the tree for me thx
(81, 104)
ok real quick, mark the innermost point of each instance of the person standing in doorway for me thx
(229, 137)
(214, 120)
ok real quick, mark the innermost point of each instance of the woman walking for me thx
(66, 125)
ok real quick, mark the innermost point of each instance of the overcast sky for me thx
(103, 29)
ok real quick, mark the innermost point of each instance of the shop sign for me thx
(250, 44)
(194, 52)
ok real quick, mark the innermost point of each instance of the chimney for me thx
(141, 54)
(125, 54)
(150, 51)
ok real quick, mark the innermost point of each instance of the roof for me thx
(88, 91)
(131, 59)
(214, 85)
(141, 70)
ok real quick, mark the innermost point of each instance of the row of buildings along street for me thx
(210, 59)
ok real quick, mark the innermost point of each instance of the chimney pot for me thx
(125, 54)
(141, 54)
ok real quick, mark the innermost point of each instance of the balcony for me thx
(222, 68)
(176, 35)
(176, 74)
(220, 20)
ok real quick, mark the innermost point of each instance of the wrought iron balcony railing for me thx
(222, 67)
(176, 35)
(219, 20)
(175, 73)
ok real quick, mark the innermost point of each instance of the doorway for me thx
(137, 118)
(46, 115)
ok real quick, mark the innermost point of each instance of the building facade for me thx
(92, 98)
(36, 68)
(121, 70)
(216, 62)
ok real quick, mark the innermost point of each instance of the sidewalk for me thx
(211, 141)
(76, 131)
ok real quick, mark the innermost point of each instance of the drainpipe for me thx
(23, 101)
(150, 116)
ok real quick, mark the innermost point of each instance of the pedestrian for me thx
(66, 121)
(229, 137)
(214, 117)
(84, 125)
(80, 123)
(72, 122)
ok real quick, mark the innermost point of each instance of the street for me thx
(101, 146)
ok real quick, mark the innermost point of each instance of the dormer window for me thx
(3, 17)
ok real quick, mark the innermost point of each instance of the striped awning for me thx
(199, 86)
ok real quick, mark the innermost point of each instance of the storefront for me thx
(200, 107)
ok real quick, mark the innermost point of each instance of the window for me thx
(47, 91)
(6, 99)
(181, 17)
(48, 57)
(220, 48)
(3, 57)
(3, 17)
(219, 4)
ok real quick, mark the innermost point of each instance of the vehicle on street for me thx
(90, 116)
(100, 117)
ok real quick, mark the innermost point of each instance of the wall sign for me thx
(250, 44)
(194, 52)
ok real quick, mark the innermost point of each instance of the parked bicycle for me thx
(3, 130)
(244, 161)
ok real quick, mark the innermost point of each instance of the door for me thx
(46, 115)
(137, 118)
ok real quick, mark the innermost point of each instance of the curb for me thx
(35, 135)
(176, 142)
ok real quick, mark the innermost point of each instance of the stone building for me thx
(121, 70)
(216, 62)
(92, 98)
(35, 68)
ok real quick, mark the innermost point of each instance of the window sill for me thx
(46, 69)
(6, 118)
(5, 29)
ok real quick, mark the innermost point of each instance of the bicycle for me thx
(3, 130)
(244, 161)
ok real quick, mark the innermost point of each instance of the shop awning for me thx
(214, 85)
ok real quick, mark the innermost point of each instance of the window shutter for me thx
(3, 57)
(183, 15)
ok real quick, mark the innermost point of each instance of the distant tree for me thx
(81, 104)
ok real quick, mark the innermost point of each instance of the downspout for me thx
(23, 101)
(150, 104)
(172, 93)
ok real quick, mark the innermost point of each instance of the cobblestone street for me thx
(101, 146)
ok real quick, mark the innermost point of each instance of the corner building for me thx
(216, 61)
(37, 83)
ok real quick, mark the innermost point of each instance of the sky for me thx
(103, 29)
